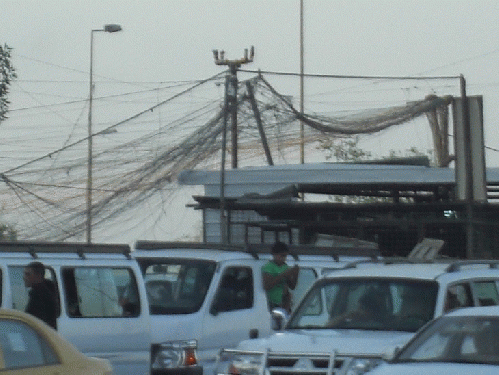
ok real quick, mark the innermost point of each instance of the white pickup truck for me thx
(204, 297)
(350, 318)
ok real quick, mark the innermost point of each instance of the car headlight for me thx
(234, 362)
(174, 354)
(359, 366)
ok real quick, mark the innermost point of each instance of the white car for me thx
(350, 318)
(465, 341)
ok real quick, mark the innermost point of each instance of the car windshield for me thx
(176, 286)
(463, 339)
(385, 304)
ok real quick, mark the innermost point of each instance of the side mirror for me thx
(390, 353)
(213, 310)
(279, 318)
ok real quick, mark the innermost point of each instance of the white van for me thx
(204, 297)
(103, 308)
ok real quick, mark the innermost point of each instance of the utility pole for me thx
(231, 90)
(230, 106)
(469, 197)
(302, 84)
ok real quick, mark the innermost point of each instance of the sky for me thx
(172, 41)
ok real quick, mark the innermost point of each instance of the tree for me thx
(346, 150)
(7, 74)
(7, 233)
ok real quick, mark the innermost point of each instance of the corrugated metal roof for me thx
(327, 173)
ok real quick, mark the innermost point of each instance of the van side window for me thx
(486, 293)
(177, 286)
(235, 291)
(20, 294)
(100, 292)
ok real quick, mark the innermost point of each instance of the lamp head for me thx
(112, 28)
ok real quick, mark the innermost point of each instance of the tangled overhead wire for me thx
(45, 198)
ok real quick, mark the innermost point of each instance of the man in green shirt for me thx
(278, 278)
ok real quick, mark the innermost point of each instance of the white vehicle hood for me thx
(175, 327)
(325, 341)
(435, 369)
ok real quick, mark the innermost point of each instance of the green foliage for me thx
(413, 151)
(7, 233)
(346, 150)
(7, 74)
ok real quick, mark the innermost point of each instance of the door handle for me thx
(253, 333)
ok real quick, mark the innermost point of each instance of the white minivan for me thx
(204, 297)
(103, 305)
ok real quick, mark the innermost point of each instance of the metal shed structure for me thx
(395, 205)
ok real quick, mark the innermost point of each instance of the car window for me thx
(365, 303)
(306, 277)
(486, 293)
(458, 295)
(20, 294)
(235, 291)
(100, 292)
(463, 339)
(22, 347)
(176, 286)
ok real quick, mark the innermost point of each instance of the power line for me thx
(131, 170)
(349, 76)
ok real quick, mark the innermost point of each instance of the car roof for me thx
(369, 270)
(223, 256)
(11, 313)
(301, 254)
(197, 254)
(38, 250)
(475, 311)
(446, 270)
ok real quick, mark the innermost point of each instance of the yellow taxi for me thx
(30, 347)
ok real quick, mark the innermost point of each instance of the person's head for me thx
(279, 252)
(33, 274)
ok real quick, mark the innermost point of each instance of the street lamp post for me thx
(111, 28)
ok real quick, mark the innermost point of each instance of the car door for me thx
(102, 312)
(238, 310)
(25, 352)
(106, 316)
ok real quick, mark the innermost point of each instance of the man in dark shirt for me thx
(43, 302)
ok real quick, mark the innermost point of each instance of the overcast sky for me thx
(166, 41)
(163, 40)
(173, 40)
